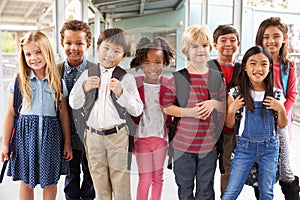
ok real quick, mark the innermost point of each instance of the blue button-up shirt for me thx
(76, 142)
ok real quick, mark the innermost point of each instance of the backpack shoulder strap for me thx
(139, 81)
(17, 102)
(215, 79)
(94, 71)
(118, 73)
(284, 77)
(214, 64)
(90, 64)
(61, 68)
(92, 95)
(182, 82)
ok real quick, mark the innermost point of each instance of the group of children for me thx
(105, 95)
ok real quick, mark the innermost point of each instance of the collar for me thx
(33, 76)
(103, 69)
(80, 68)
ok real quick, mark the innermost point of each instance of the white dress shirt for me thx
(104, 114)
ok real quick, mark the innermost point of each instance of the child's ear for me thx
(285, 38)
(238, 43)
(215, 45)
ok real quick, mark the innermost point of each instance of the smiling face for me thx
(227, 44)
(34, 58)
(110, 54)
(75, 46)
(257, 68)
(273, 39)
(152, 66)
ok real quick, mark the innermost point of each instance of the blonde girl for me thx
(41, 144)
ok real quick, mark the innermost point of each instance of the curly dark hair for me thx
(145, 44)
(76, 25)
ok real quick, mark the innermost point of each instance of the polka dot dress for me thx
(31, 164)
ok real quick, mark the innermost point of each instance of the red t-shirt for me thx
(228, 70)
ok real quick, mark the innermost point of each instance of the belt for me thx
(106, 132)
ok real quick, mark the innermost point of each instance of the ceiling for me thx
(27, 12)
(120, 9)
(39, 13)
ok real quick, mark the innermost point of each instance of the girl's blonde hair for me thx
(195, 34)
(42, 42)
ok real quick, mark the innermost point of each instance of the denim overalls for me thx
(256, 144)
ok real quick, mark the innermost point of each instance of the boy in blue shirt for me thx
(76, 39)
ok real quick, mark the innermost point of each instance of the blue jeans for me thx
(265, 153)
(73, 190)
(187, 167)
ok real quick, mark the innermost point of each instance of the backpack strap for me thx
(214, 64)
(119, 74)
(182, 82)
(92, 95)
(17, 103)
(284, 77)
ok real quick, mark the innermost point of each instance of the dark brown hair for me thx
(116, 36)
(223, 30)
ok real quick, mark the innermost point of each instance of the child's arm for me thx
(65, 126)
(206, 107)
(183, 112)
(232, 107)
(7, 127)
(272, 103)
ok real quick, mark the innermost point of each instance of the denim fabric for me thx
(191, 166)
(42, 98)
(257, 144)
(73, 189)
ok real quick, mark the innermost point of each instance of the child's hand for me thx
(206, 107)
(236, 104)
(68, 154)
(91, 83)
(4, 154)
(116, 87)
(272, 103)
